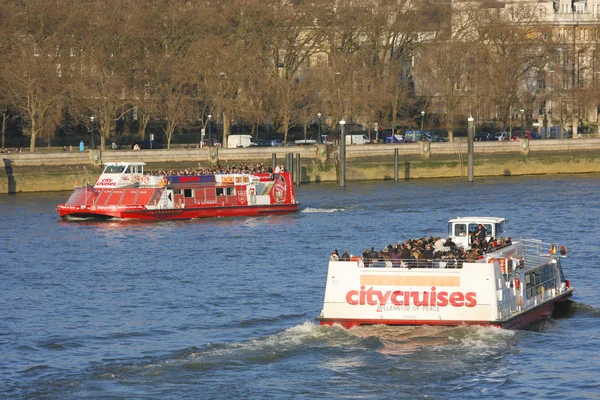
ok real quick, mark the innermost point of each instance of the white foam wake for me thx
(321, 210)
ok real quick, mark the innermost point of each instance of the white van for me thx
(234, 141)
(356, 139)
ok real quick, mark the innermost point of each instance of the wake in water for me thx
(405, 340)
(571, 309)
(310, 337)
(321, 210)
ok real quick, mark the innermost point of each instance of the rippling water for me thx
(225, 308)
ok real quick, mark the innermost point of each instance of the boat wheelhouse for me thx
(510, 285)
(125, 191)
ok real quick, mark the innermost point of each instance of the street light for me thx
(422, 125)
(93, 146)
(319, 138)
(549, 133)
(209, 120)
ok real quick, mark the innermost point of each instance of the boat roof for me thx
(479, 220)
(124, 163)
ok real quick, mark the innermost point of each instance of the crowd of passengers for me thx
(426, 252)
(219, 170)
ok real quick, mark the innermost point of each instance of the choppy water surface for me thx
(225, 308)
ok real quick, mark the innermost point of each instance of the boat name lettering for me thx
(106, 182)
(430, 298)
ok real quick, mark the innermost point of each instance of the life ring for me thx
(517, 283)
(136, 178)
(563, 250)
(145, 179)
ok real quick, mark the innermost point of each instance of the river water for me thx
(225, 308)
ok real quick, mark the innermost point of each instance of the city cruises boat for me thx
(124, 191)
(510, 285)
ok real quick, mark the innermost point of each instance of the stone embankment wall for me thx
(62, 171)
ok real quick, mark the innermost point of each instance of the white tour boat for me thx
(509, 286)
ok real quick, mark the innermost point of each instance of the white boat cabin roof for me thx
(120, 167)
(478, 220)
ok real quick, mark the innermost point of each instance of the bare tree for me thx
(36, 60)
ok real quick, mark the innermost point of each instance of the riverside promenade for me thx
(39, 172)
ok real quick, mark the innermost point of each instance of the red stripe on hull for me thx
(186, 213)
(538, 313)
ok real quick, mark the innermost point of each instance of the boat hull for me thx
(175, 213)
(539, 313)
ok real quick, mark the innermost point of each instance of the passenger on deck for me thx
(481, 233)
(449, 243)
(373, 254)
(345, 256)
(334, 256)
(396, 258)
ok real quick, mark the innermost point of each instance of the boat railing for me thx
(406, 263)
(535, 253)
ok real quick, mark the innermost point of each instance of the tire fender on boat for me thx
(519, 300)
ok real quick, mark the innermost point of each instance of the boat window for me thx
(114, 169)
(472, 228)
(176, 191)
(488, 230)
(227, 191)
(187, 193)
(460, 230)
(498, 229)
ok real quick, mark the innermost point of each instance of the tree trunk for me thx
(170, 129)
(33, 136)
(104, 132)
(143, 125)
(4, 115)
(286, 125)
(226, 126)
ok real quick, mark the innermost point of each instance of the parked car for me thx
(501, 136)
(394, 139)
(483, 137)
(438, 138)
(532, 136)
(269, 143)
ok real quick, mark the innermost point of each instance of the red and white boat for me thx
(509, 287)
(124, 191)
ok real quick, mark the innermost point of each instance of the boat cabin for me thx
(120, 174)
(461, 229)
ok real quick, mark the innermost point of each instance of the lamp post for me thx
(342, 154)
(93, 146)
(549, 133)
(319, 138)
(522, 135)
(209, 120)
(422, 125)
